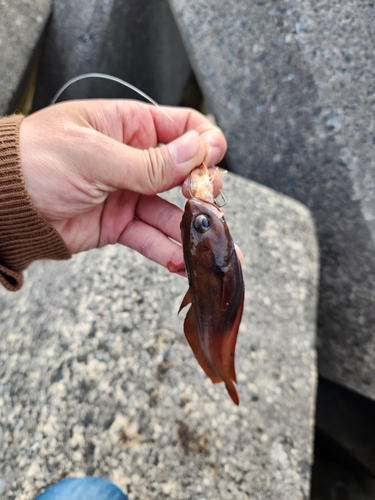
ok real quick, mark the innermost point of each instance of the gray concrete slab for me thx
(22, 23)
(96, 376)
(292, 85)
(136, 40)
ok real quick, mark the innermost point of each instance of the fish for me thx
(216, 287)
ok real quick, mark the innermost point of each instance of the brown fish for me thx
(216, 290)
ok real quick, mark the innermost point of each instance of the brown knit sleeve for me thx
(25, 235)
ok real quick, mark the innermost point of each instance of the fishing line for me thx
(104, 76)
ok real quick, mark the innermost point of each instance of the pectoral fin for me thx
(191, 333)
(185, 301)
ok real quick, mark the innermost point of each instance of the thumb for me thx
(159, 169)
(148, 171)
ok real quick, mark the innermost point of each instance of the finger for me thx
(151, 243)
(239, 252)
(169, 123)
(186, 119)
(160, 214)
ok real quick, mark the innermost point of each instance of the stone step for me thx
(96, 376)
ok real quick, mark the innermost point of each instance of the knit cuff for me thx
(25, 235)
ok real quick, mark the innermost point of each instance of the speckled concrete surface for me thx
(292, 85)
(21, 25)
(96, 376)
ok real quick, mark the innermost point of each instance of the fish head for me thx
(205, 232)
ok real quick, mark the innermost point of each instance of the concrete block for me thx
(22, 24)
(137, 41)
(292, 85)
(96, 376)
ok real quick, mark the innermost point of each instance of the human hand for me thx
(93, 169)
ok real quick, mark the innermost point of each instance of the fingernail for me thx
(185, 148)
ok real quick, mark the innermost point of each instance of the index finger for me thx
(172, 122)
(145, 126)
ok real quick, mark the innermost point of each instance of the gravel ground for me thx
(96, 377)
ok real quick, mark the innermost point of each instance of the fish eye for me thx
(202, 223)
